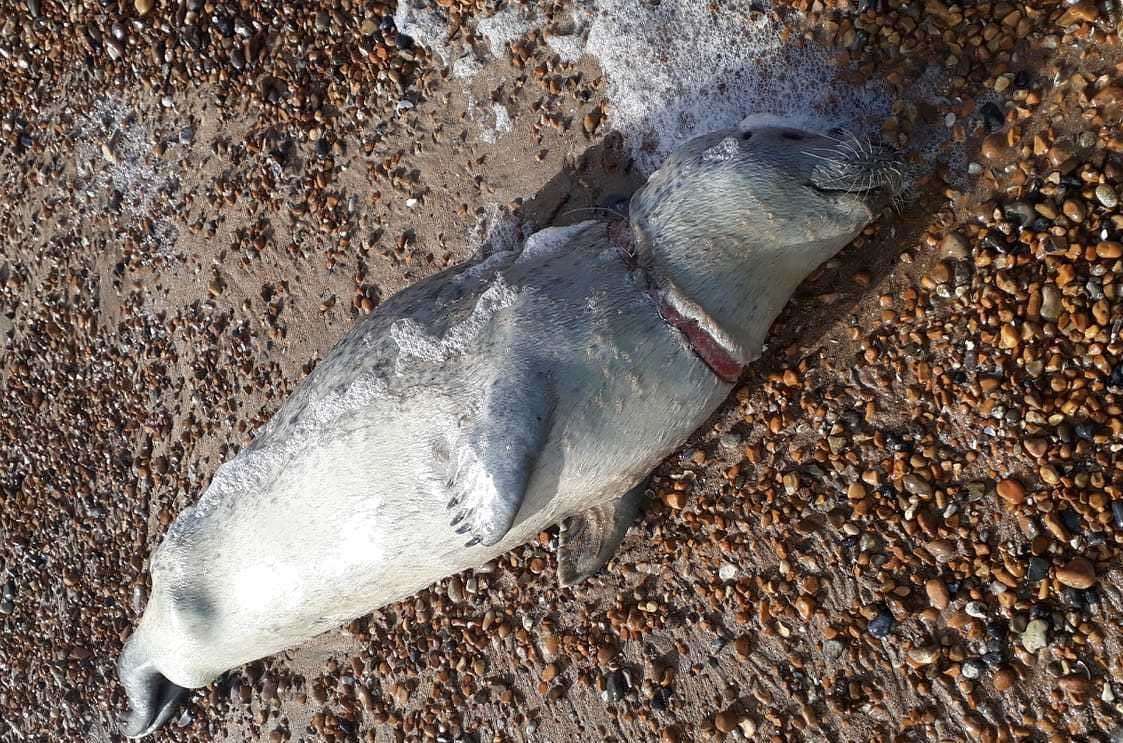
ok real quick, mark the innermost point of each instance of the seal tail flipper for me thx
(498, 453)
(589, 539)
(152, 697)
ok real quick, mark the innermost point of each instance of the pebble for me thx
(1106, 195)
(917, 485)
(456, 590)
(1074, 210)
(1050, 303)
(976, 609)
(955, 246)
(1077, 573)
(937, 592)
(1038, 569)
(142, 6)
(882, 624)
(616, 687)
(1011, 491)
(972, 668)
(727, 721)
(1004, 678)
(941, 549)
(924, 656)
(1035, 636)
(1117, 513)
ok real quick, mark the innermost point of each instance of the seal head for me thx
(735, 220)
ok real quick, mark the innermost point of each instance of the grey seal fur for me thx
(493, 400)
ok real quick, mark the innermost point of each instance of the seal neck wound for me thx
(720, 352)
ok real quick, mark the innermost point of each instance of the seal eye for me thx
(793, 136)
(746, 136)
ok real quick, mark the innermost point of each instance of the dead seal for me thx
(493, 400)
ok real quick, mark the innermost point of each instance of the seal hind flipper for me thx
(498, 453)
(590, 538)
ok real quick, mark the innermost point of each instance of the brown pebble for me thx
(1004, 678)
(1109, 249)
(675, 499)
(726, 721)
(1078, 573)
(938, 595)
(1011, 491)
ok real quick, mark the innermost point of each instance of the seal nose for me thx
(152, 697)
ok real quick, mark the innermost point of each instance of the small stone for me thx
(743, 647)
(1004, 678)
(924, 656)
(972, 668)
(881, 625)
(1050, 303)
(1038, 569)
(142, 6)
(1074, 210)
(941, 549)
(726, 721)
(976, 609)
(954, 245)
(1084, 11)
(832, 649)
(1117, 513)
(550, 672)
(1078, 573)
(938, 595)
(1036, 446)
(455, 589)
(1106, 195)
(1008, 336)
(1035, 636)
(401, 694)
(1109, 249)
(675, 499)
(616, 686)
(917, 485)
(1011, 491)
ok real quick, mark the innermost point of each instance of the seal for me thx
(469, 412)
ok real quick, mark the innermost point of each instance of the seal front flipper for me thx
(589, 539)
(498, 451)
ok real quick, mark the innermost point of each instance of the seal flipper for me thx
(589, 539)
(497, 457)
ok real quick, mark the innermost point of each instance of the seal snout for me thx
(860, 166)
(153, 698)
